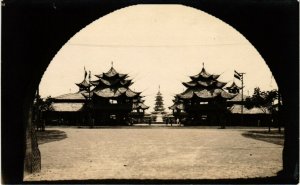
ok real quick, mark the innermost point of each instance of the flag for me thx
(85, 73)
(238, 75)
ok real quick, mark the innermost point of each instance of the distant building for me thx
(204, 100)
(68, 109)
(138, 111)
(159, 110)
(106, 101)
(233, 88)
(242, 116)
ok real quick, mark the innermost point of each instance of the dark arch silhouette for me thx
(33, 32)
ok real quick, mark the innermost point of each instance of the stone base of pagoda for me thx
(159, 118)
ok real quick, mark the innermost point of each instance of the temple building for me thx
(105, 101)
(239, 98)
(112, 100)
(68, 108)
(203, 101)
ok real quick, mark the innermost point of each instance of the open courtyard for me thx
(156, 153)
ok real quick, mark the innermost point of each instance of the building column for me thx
(32, 161)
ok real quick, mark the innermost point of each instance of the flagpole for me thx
(240, 76)
(242, 109)
(90, 103)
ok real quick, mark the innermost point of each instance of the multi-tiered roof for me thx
(159, 104)
(177, 104)
(204, 86)
(112, 85)
(116, 86)
(204, 98)
(138, 103)
(233, 88)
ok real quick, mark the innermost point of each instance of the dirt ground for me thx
(120, 153)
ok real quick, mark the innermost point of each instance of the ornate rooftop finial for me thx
(158, 88)
(112, 64)
(203, 64)
(85, 73)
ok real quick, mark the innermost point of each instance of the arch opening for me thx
(148, 47)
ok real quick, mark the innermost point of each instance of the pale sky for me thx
(156, 45)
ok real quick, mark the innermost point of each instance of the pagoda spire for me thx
(202, 64)
(112, 64)
(159, 105)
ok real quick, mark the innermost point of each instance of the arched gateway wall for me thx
(32, 33)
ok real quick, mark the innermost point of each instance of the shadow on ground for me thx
(50, 136)
(272, 137)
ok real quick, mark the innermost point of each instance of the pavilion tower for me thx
(112, 99)
(233, 88)
(204, 99)
(84, 85)
(138, 110)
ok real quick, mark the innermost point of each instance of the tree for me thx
(39, 106)
(263, 100)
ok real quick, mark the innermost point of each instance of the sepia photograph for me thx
(135, 92)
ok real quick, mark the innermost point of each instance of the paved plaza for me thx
(160, 153)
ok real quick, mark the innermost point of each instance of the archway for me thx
(26, 19)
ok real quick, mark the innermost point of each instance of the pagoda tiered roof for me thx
(205, 94)
(205, 86)
(233, 86)
(204, 75)
(139, 105)
(84, 83)
(112, 85)
(111, 74)
(117, 82)
(204, 83)
(177, 105)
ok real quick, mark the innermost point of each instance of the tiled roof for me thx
(204, 74)
(177, 105)
(139, 105)
(236, 109)
(113, 93)
(66, 107)
(84, 83)
(238, 98)
(70, 96)
(204, 93)
(111, 73)
(233, 85)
